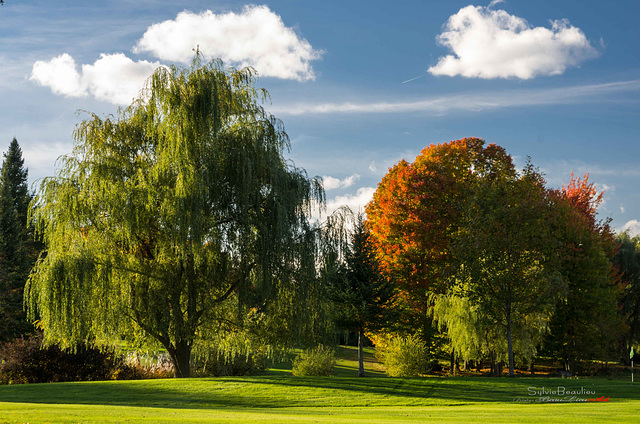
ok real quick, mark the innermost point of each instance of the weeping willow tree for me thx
(475, 335)
(170, 211)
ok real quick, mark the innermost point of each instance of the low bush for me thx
(318, 361)
(404, 356)
(26, 361)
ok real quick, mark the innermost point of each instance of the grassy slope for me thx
(277, 397)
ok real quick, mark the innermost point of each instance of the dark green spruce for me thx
(17, 249)
(362, 294)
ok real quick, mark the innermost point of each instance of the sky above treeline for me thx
(358, 84)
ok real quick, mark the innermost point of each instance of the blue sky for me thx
(358, 84)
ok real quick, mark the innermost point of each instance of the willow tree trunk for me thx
(360, 356)
(181, 360)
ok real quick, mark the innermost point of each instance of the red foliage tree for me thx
(584, 197)
(415, 213)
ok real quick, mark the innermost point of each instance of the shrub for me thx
(25, 361)
(318, 361)
(404, 356)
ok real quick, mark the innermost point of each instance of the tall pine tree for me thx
(17, 249)
(364, 298)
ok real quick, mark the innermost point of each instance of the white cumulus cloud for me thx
(113, 78)
(59, 74)
(632, 227)
(255, 37)
(356, 202)
(490, 43)
(331, 183)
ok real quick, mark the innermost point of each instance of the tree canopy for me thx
(173, 217)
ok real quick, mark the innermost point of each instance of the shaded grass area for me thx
(328, 399)
(304, 392)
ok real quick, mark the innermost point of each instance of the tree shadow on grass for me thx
(265, 392)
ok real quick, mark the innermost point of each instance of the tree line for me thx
(179, 222)
(500, 264)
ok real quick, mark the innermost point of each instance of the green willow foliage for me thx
(175, 217)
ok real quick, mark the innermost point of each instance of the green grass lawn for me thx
(278, 397)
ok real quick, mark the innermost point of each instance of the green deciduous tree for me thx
(174, 217)
(505, 253)
(585, 324)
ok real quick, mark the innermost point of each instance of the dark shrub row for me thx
(25, 361)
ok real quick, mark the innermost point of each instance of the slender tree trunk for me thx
(510, 342)
(572, 365)
(360, 356)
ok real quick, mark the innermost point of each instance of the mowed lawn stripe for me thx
(494, 413)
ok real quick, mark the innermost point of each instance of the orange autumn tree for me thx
(415, 212)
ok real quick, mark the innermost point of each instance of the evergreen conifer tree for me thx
(364, 298)
(17, 249)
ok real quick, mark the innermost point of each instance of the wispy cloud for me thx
(331, 183)
(489, 43)
(558, 172)
(494, 2)
(468, 102)
(256, 37)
